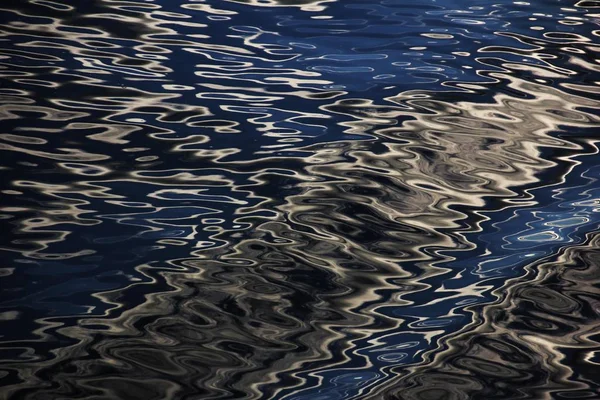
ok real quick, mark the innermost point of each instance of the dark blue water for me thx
(301, 200)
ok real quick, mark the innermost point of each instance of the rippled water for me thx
(299, 200)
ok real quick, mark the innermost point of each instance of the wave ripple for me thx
(299, 199)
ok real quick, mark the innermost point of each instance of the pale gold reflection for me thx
(572, 280)
(467, 169)
(304, 5)
(441, 154)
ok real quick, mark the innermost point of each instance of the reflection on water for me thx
(296, 199)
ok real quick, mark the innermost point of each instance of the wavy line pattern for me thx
(298, 199)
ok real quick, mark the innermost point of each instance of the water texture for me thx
(299, 200)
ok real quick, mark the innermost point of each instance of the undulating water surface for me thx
(299, 200)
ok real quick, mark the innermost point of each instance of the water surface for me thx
(298, 199)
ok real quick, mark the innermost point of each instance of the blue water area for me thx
(297, 199)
